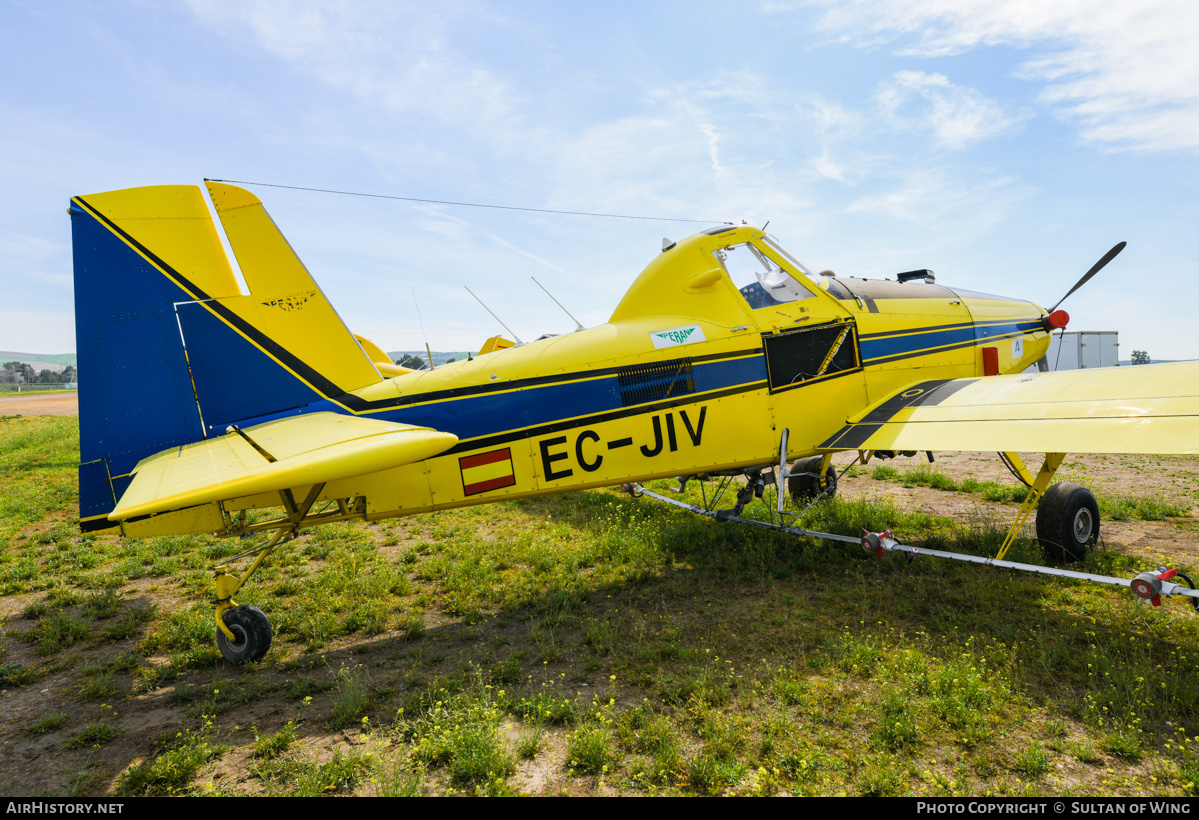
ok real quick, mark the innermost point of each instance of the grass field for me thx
(585, 643)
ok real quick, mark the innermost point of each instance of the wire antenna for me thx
(468, 204)
(497, 318)
(422, 329)
(578, 324)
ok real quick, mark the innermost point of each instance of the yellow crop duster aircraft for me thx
(727, 357)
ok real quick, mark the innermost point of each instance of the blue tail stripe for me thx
(128, 342)
(136, 398)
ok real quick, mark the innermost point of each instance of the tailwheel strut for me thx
(243, 633)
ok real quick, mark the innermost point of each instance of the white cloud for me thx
(833, 125)
(709, 131)
(1126, 72)
(933, 197)
(958, 116)
(505, 244)
(399, 56)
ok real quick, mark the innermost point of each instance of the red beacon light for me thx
(1056, 320)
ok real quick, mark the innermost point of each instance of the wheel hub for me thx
(1083, 526)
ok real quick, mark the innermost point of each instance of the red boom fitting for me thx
(873, 542)
(1148, 585)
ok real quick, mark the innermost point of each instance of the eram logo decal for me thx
(677, 336)
(293, 302)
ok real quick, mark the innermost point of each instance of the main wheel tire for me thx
(1067, 522)
(252, 630)
(803, 488)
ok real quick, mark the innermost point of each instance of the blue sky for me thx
(1006, 144)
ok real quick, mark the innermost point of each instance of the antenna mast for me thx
(578, 324)
(497, 318)
(422, 328)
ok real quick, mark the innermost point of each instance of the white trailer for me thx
(1081, 349)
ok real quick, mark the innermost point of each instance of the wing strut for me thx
(1035, 490)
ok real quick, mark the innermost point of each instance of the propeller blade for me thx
(1107, 257)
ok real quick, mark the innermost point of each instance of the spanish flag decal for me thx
(487, 471)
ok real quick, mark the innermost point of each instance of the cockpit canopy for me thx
(681, 281)
(763, 280)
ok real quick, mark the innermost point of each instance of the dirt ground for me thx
(39, 404)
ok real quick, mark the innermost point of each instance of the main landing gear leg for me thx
(1036, 488)
(1067, 514)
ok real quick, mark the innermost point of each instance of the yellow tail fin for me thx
(285, 302)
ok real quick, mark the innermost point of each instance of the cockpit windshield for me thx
(777, 246)
(761, 280)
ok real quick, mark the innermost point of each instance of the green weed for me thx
(267, 747)
(1140, 508)
(462, 734)
(99, 686)
(352, 699)
(884, 472)
(15, 674)
(547, 707)
(96, 733)
(173, 771)
(707, 775)
(46, 724)
(588, 748)
(398, 779)
(897, 727)
(57, 632)
(102, 605)
(1032, 762)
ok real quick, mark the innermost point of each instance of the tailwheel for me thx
(1067, 522)
(807, 483)
(252, 635)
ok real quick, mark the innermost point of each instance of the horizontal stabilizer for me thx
(297, 451)
(1144, 409)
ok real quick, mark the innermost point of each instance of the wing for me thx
(297, 451)
(1144, 409)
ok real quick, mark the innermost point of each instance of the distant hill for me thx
(41, 361)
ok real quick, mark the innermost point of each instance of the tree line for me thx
(22, 373)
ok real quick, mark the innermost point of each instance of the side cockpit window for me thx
(760, 279)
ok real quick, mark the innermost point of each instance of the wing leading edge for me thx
(292, 452)
(1145, 409)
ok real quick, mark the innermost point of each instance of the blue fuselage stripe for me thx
(477, 416)
(472, 417)
(930, 340)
